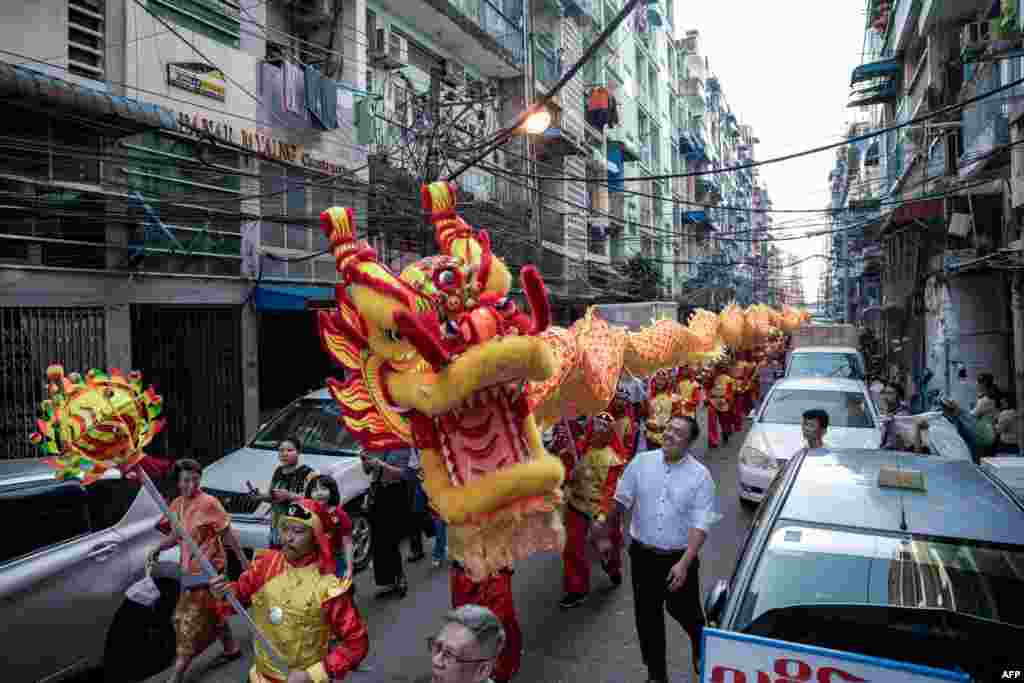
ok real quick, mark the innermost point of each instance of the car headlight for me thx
(751, 457)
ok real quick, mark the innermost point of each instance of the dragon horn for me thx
(339, 225)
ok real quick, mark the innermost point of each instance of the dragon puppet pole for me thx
(207, 568)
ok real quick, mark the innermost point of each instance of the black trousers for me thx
(651, 597)
(389, 519)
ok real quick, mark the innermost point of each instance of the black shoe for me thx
(572, 600)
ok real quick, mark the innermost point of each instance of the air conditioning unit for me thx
(975, 36)
(389, 50)
(453, 75)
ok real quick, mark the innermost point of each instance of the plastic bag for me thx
(144, 591)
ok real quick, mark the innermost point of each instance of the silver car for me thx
(326, 446)
(776, 434)
(68, 555)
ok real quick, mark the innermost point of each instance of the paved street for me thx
(595, 643)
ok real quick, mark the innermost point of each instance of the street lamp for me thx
(537, 122)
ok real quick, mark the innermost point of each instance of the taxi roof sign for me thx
(897, 478)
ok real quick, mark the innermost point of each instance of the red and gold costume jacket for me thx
(690, 395)
(723, 393)
(659, 413)
(300, 610)
(594, 480)
(625, 426)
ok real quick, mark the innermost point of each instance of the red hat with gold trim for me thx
(316, 516)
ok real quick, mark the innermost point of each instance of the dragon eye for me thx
(448, 279)
(450, 329)
(394, 336)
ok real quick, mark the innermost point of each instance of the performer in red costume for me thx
(719, 388)
(689, 391)
(494, 593)
(299, 604)
(588, 499)
(626, 422)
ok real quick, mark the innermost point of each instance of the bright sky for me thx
(785, 70)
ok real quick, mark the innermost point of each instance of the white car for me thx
(825, 361)
(776, 432)
(327, 447)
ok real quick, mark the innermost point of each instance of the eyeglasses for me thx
(437, 648)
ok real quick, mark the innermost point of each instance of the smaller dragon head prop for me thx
(92, 424)
(439, 357)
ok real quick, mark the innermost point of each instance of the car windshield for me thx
(843, 365)
(844, 408)
(810, 565)
(315, 422)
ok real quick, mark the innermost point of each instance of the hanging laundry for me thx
(640, 18)
(597, 108)
(294, 88)
(616, 179)
(329, 103)
(613, 112)
(313, 102)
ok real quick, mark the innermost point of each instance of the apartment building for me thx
(947, 236)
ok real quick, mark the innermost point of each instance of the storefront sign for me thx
(739, 658)
(198, 78)
(256, 141)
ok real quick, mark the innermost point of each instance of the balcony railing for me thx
(503, 28)
(986, 123)
(546, 67)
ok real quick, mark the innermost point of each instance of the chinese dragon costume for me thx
(440, 357)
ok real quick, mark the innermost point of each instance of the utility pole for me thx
(845, 255)
(529, 96)
(431, 171)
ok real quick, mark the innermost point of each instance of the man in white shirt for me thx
(673, 503)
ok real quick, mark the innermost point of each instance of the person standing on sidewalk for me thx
(673, 503)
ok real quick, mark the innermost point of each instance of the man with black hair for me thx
(814, 426)
(673, 503)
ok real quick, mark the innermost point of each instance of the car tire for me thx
(362, 540)
(136, 629)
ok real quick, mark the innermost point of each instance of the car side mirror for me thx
(715, 602)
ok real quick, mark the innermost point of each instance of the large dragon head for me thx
(439, 358)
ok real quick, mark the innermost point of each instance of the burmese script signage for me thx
(740, 658)
(257, 141)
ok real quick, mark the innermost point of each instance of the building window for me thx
(197, 204)
(216, 19)
(49, 149)
(86, 38)
(291, 198)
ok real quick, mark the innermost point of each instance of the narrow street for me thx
(595, 642)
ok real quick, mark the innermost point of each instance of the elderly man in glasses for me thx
(465, 648)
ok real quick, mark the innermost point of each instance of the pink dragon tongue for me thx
(483, 437)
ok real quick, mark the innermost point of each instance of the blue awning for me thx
(887, 67)
(116, 114)
(288, 297)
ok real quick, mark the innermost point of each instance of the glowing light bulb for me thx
(538, 122)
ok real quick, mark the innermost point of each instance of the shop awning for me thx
(116, 115)
(877, 94)
(288, 297)
(886, 67)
